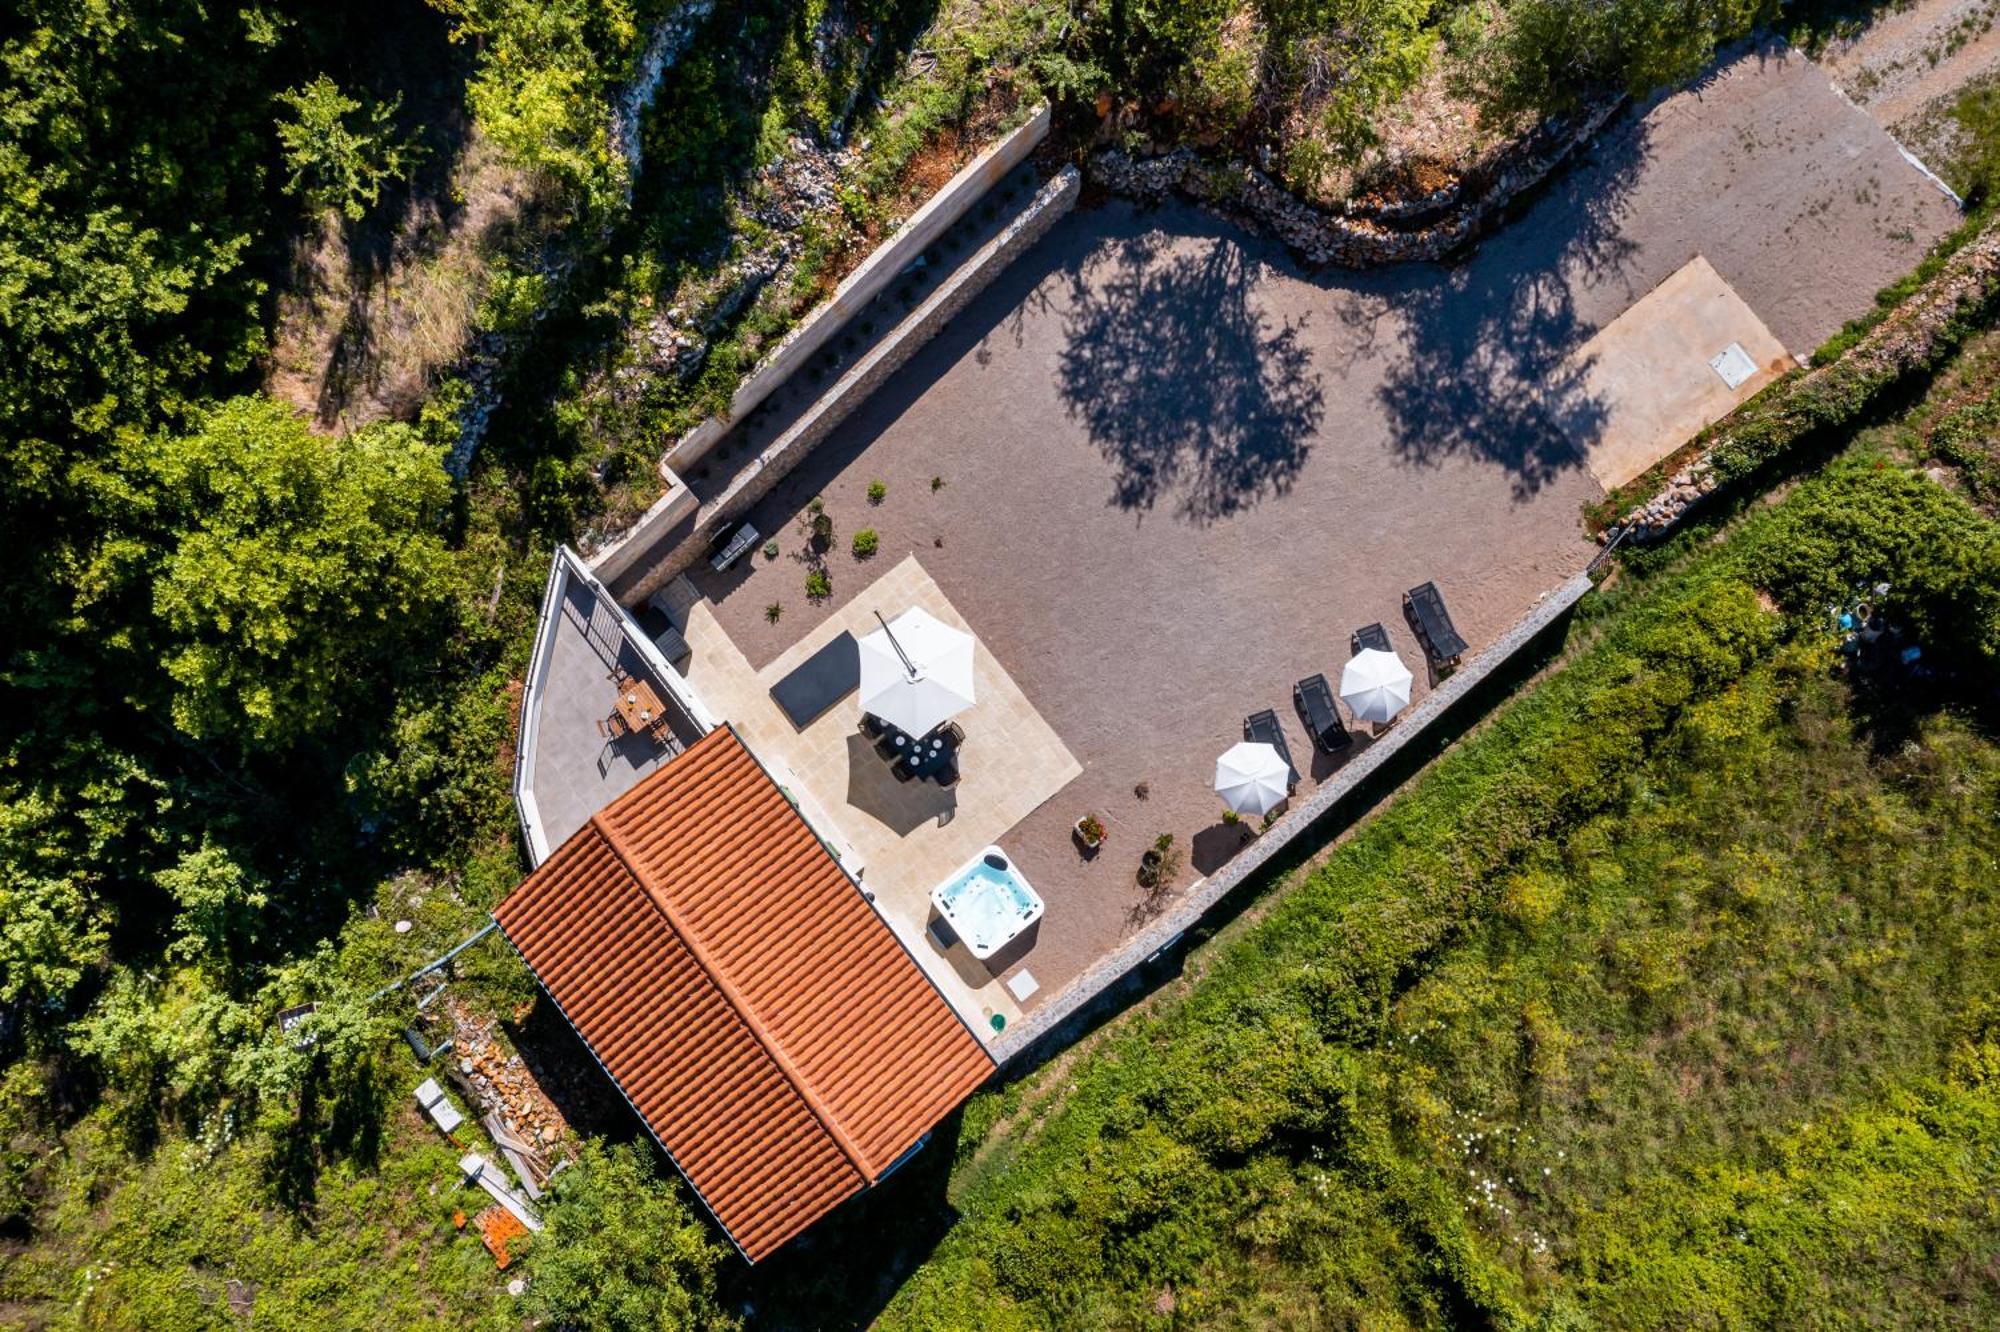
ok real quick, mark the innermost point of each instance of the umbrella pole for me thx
(908, 665)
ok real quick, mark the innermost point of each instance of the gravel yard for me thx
(1173, 472)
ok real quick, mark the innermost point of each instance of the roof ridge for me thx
(690, 940)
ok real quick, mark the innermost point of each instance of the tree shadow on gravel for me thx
(1185, 385)
(1486, 370)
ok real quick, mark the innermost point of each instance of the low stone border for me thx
(952, 295)
(1078, 1001)
(1243, 194)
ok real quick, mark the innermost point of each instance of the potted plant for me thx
(1090, 832)
(1157, 863)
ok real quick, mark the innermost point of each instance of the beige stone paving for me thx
(1649, 367)
(901, 838)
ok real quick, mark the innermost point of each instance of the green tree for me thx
(542, 92)
(219, 902)
(51, 930)
(338, 159)
(285, 571)
(621, 1251)
(1542, 55)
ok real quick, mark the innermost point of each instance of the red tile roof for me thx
(777, 1038)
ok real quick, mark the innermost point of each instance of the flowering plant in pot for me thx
(1090, 832)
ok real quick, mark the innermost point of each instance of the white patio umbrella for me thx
(916, 672)
(1252, 778)
(1375, 685)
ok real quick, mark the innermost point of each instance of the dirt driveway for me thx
(1175, 471)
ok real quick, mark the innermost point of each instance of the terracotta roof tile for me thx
(768, 1026)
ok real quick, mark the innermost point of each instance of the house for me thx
(774, 1034)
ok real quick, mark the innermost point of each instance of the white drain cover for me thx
(1733, 364)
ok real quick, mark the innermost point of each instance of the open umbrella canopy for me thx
(1375, 685)
(1252, 778)
(916, 672)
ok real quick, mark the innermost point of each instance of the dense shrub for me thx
(1544, 54)
(622, 1251)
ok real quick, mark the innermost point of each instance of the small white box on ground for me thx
(1022, 984)
(432, 1098)
(1733, 364)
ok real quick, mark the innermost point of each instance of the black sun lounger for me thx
(1263, 728)
(1370, 636)
(1425, 608)
(1313, 697)
(820, 681)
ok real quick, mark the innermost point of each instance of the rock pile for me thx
(500, 1082)
(1657, 516)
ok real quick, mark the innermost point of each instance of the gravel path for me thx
(1904, 61)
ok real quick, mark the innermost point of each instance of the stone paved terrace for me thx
(578, 768)
(1175, 472)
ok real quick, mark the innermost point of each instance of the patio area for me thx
(580, 760)
(899, 839)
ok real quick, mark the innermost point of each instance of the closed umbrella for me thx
(1375, 685)
(916, 672)
(1252, 778)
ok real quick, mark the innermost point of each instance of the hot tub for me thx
(987, 902)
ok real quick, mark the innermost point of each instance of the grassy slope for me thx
(1652, 931)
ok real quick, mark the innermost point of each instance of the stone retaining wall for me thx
(952, 295)
(1243, 194)
(1061, 1019)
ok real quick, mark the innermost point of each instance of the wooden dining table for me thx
(639, 706)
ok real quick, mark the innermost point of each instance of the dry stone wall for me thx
(1361, 238)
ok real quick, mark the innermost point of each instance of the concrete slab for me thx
(899, 838)
(1653, 370)
(579, 767)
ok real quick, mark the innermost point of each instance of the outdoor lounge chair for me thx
(820, 681)
(1313, 697)
(1370, 636)
(1263, 728)
(1424, 607)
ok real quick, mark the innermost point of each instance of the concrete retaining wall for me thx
(675, 506)
(864, 284)
(853, 388)
(1077, 1001)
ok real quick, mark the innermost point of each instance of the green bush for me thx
(866, 542)
(620, 1250)
(818, 586)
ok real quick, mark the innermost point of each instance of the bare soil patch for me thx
(370, 319)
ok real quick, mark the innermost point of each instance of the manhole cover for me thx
(1733, 364)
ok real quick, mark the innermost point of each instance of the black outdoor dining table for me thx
(926, 756)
